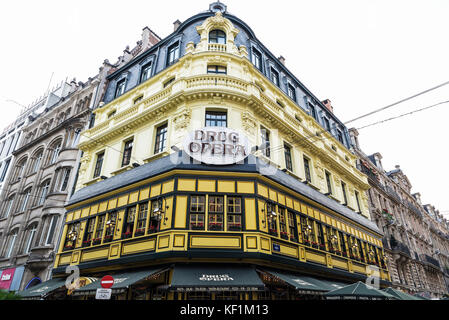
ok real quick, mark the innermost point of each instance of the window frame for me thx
(173, 53)
(288, 157)
(161, 144)
(127, 152)
(99, 164)
(216, 38)
(144, 75)
(120, 88)
(211, 122)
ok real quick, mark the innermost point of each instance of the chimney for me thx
(149, 38)
(328, 104)
(176, 25)
(417, 196)
(282, 60)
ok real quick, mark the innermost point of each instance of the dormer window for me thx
(217, 36)
(173, 53)
(274, 76)
(120, 88)
(146, 72)
(292, 92)
(256, 59)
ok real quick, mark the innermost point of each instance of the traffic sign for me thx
(103, 294)
(107, 282)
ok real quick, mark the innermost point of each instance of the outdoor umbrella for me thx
(400, 295)
(359, 290)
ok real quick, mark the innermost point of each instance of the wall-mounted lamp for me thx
(103, 177)
(135, 165)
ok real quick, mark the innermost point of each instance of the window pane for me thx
(216, 119)
(161, 139)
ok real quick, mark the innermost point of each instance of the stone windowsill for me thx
(122, 169)
(94, 180)
(156, 156)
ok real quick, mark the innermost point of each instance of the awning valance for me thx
(43, 289)
(304, 283)
(121, 281)
(359, 290)
(215, 278)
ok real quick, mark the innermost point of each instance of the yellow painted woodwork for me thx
(112, 204)
(85, 212)
(94, 255)
(263, 223)
(76, 215)
(250, 214)
(281, 198)
(144, 194)
(224, 186)
(147, 245)
(289, 202)
(181, 212)
(65, 259)
(265, 244)
(206, 185)
(262, 190)
(273, 195)
(288, 250)
(168, 186)
(103, 206)
(179, 241)
(119, 224)
(122, 201)
(315, 257)
(94, 210)
(69, 217)
(245, 187)
(251, 242)
(186, 184)
(79, 239)
(155, 191)
(167, 218)
(214, 242)
(163, 242)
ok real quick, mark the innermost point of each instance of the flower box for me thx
(107, 239)
(140, 232)
(127, 235)
(217, 226)
(284, 235)
(96, 241)
(273, 232)
(87, 243)
(322, 247)
(234, 227)
(292, 238)
(68, 247)
(307, 242)
(197, 226)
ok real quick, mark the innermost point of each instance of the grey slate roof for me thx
(252, 165)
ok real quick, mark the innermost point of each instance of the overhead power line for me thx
(403, 115)
(399, 102)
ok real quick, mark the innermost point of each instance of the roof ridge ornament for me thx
(218, 7)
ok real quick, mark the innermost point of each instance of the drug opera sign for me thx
(217, 146)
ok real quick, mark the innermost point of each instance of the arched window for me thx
(8, 206)
(43, 191)
(31, 234)
(217, 36)
(11, 242)
(24, 200)
(37, 159)
(55, 148)
(19, 169)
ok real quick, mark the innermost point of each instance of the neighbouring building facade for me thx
(41, 181)
(212, 172)
(416, 237)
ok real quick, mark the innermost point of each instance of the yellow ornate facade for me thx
(263, 221)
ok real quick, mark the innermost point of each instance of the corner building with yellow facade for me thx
(289, 219)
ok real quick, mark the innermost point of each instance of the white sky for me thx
(361, 54)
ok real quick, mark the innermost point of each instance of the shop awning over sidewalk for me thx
(121, 281)
(400, 295)
(306, 284)
(359, 290)
(188, 278)
(43, 289)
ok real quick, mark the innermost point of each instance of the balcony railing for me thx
(400, 247)
(217, 47)
(413, 208)
(429, 259)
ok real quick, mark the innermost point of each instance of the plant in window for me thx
(87, 243)
(96, 241)
(284, 235)
(140, 232)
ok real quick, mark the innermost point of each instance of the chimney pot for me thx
(328, 104)
(282, 60)
(176, 25)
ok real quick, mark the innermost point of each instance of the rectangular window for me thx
(161, 139)
(65, 179)
(343, 188)
(332, 240)
(216, 119)
(307, 170)
(272, 220)
(98, 164)
(265, 134)
(127, 151)
(292, 226)
(342, 243)
(358, 201)
(234, 214)
(327, 125)
(308, 231)
(128, 226)
(197, 212)
(72, 235)
(99, 229)
(120, 88)
(214, 69)
(361, 250)
(282, 223)
(340, 136)
(31, 235)
(312, 111)
(89, 234)
(5, 170)
(155, 216)
(292, 92)
(92, 121)
(320, 236)
(110, 226)
(256, 59)
(142, 219)
(329, 184)
(51, 230)
(274, 77)
(146, 72)
(173, 53)
(288, 157)
(216, 213)
(167, 83)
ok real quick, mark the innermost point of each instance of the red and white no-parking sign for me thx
(107, 282)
